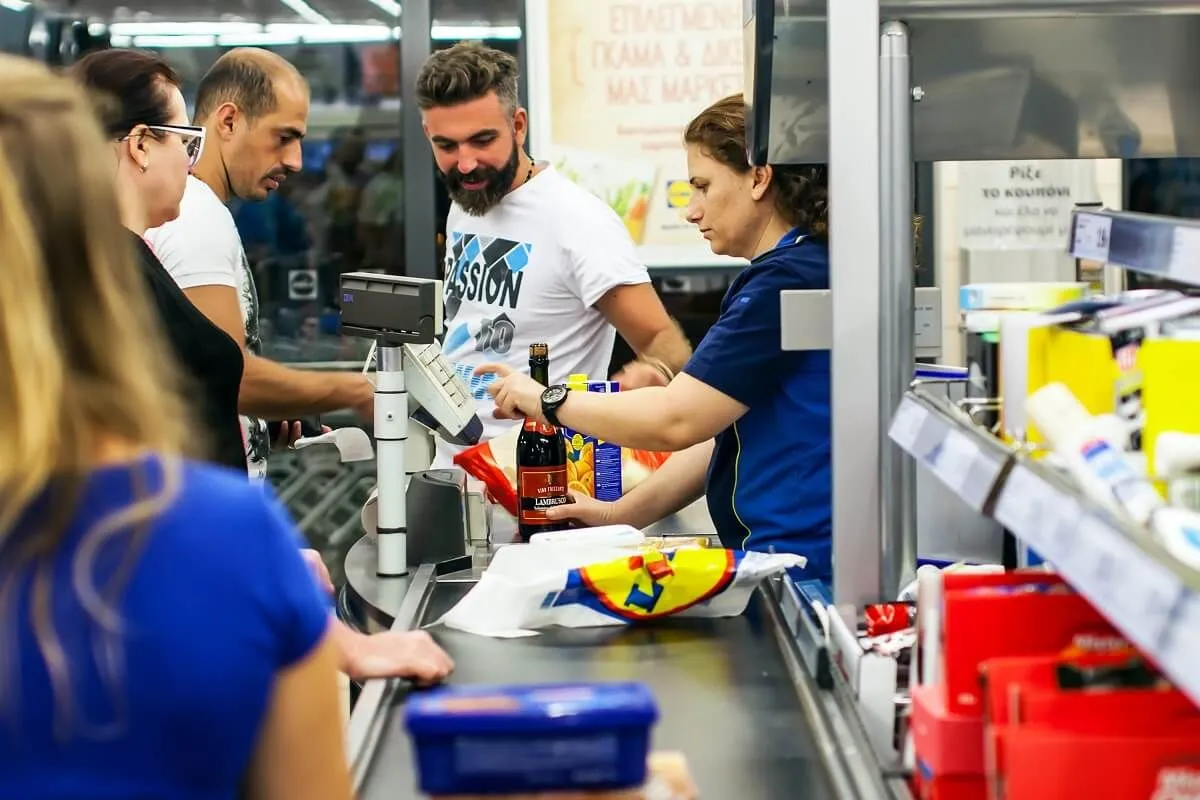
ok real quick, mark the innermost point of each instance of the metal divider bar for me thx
(370, 712)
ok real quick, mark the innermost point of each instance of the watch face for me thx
(554, 395)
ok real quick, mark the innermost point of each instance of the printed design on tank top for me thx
(485, 271)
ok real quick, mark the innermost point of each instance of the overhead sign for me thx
(1021, 205)
(613, 84)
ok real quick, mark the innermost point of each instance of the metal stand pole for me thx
(854, 275)
(897, 479)
(391, 430)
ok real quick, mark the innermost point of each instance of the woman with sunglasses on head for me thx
(154, 148)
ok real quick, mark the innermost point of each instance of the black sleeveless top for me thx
(211, 362)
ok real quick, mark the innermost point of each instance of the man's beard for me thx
(497, 182)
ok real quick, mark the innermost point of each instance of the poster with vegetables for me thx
(612, 86)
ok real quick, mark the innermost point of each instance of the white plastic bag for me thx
(587, 584)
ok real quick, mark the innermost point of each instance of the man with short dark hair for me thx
(530, 255)
(253, 106)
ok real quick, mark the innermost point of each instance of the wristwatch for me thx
(552, 399)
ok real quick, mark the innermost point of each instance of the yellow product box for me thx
(1103, 371)
(1153, 385)
(1171, 389)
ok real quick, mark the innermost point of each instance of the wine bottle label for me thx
(541, 488)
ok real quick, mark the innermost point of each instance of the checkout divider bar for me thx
(840, 738)
(370, 712)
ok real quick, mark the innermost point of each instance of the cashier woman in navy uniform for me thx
(748, 422)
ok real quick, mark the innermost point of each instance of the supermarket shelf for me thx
(1151, 597)
(1167, 247)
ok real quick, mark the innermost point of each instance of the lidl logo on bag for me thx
(650, 584)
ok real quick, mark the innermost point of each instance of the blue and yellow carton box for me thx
(593, 466)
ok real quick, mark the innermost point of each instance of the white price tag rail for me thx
(1092, 236)
(1116, 568)
(1156, 245)
(1127, 585)
(906, 424)
(952, 462)
(1185, 253)
(1179, 652)
(945, 445)
(1038, 515)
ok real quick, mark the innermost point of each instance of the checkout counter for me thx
(774, 704)
(734, 694)
(752, 702)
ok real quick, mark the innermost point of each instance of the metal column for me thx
(391, 432)
(897, 476)
(854, 182)
(420, 199)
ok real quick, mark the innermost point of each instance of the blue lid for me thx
(529, 709)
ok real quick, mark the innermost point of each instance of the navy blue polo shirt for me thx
(769, 482)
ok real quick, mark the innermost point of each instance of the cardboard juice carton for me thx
(606, 456)
(581, 450)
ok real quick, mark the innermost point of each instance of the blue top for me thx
(217, 602)
(770, 485)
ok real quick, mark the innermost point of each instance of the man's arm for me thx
(608, 275)
(638, 315)
(271, 390)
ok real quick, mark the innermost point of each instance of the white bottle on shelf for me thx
(1092, 448)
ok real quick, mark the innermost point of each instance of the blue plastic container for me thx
(514, 739)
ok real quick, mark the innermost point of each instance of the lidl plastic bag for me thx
(494, 462)
(529, 587)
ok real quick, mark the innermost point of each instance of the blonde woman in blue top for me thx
(160, 635)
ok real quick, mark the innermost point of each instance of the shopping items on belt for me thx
(494, 462)
(535, 586)
(668, 778)
(538, 738)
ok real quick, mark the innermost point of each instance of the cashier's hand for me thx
(584, 510)
(397, 654)
(516, 394)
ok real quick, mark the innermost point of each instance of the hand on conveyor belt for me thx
(669, 779)
(394, 654)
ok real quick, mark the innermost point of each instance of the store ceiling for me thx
(446, 12)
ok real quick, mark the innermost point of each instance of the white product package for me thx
(593, 583)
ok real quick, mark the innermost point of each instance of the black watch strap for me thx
(550, 410)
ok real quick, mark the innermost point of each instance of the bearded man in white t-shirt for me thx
(530, 255)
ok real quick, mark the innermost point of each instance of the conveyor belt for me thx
(727, 698)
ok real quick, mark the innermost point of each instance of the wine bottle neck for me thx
(539, 370)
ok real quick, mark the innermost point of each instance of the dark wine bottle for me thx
(541, 461)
